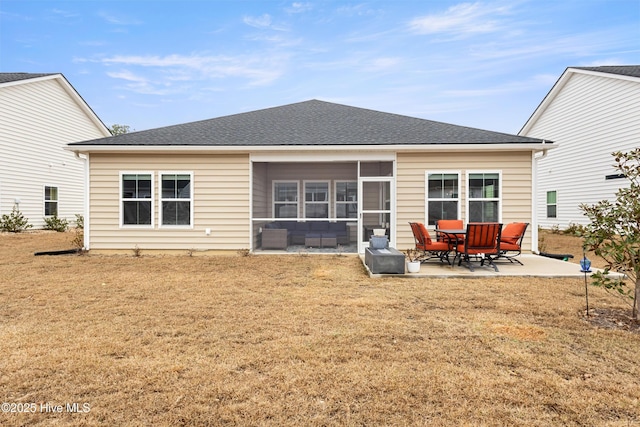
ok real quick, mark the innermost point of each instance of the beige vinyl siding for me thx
(411, 192)
(220, 195)
(588, 119)
(37, 119)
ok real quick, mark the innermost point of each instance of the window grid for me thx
(176, 199)
(316, 199)
(484, 196)
(552, 204)
(443, 195)
(285, 199)
(50, 201)
(136, 199)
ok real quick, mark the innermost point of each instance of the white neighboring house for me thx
(589, 113)
(39, 115)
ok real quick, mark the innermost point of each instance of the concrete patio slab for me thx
(534, 266)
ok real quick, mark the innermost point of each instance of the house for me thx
(39, 115)
(220, 184)
(590, 112)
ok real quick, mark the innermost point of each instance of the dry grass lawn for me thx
(299, 340)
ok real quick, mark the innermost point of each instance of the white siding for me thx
(589, 118)
(37, 119)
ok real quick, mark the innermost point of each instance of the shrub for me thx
(80, 221)
(575, 229)
(14, 222)
(78, 239)
(56, 223)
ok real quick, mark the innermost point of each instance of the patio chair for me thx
(511, 240)
(482, 241)
(449, 224)
(430, 249)
(275, 238)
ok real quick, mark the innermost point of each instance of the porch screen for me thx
(316, 199)
(285, 199)
(346, 199)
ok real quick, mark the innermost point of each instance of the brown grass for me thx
(299, 340)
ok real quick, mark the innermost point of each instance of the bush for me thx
(80, 221)
(56, 223)
(78, 240)
(575, 229)
(14, 222)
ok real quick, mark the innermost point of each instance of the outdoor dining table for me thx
(452, 236)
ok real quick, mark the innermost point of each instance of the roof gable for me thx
(12, 79)
(626, 72)
(310, 123)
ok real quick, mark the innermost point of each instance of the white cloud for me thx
(299, 7)
(384, 63)
(65, 13)
(263, 22)
(118, 20)
(164, 71)
(461, 19)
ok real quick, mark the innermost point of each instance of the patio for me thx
(534, 266)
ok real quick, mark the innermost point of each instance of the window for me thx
(136, 199)
(443, 196)
(176, 199)
(552, 205)
(50, 201)
(346, 199)
(285, 199)
(316, 200)
(484, 197)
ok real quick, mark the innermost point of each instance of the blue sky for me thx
(153, 63)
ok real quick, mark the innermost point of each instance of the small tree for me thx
(614, 234)
(14, 222)
(117, 129)
(56, 223)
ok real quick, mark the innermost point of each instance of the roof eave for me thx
(230, 149)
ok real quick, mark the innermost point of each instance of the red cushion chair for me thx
(511, 240)
(429, 248)
(481, 241)
(450, 224)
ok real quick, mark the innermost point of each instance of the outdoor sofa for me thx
(298, 231)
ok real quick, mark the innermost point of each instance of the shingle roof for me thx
(14, 77)
(623, 70)
(310, 123)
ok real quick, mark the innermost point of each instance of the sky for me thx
(155, 63)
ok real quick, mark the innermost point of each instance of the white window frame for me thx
(122, 200)
(547, 204)
(287, 202)
(428, 199)
(313, 202)
(56, 201)
(161, 199)
(344, 202)
(484, 199)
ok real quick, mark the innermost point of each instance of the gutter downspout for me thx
(534, 196)
(85, 208)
